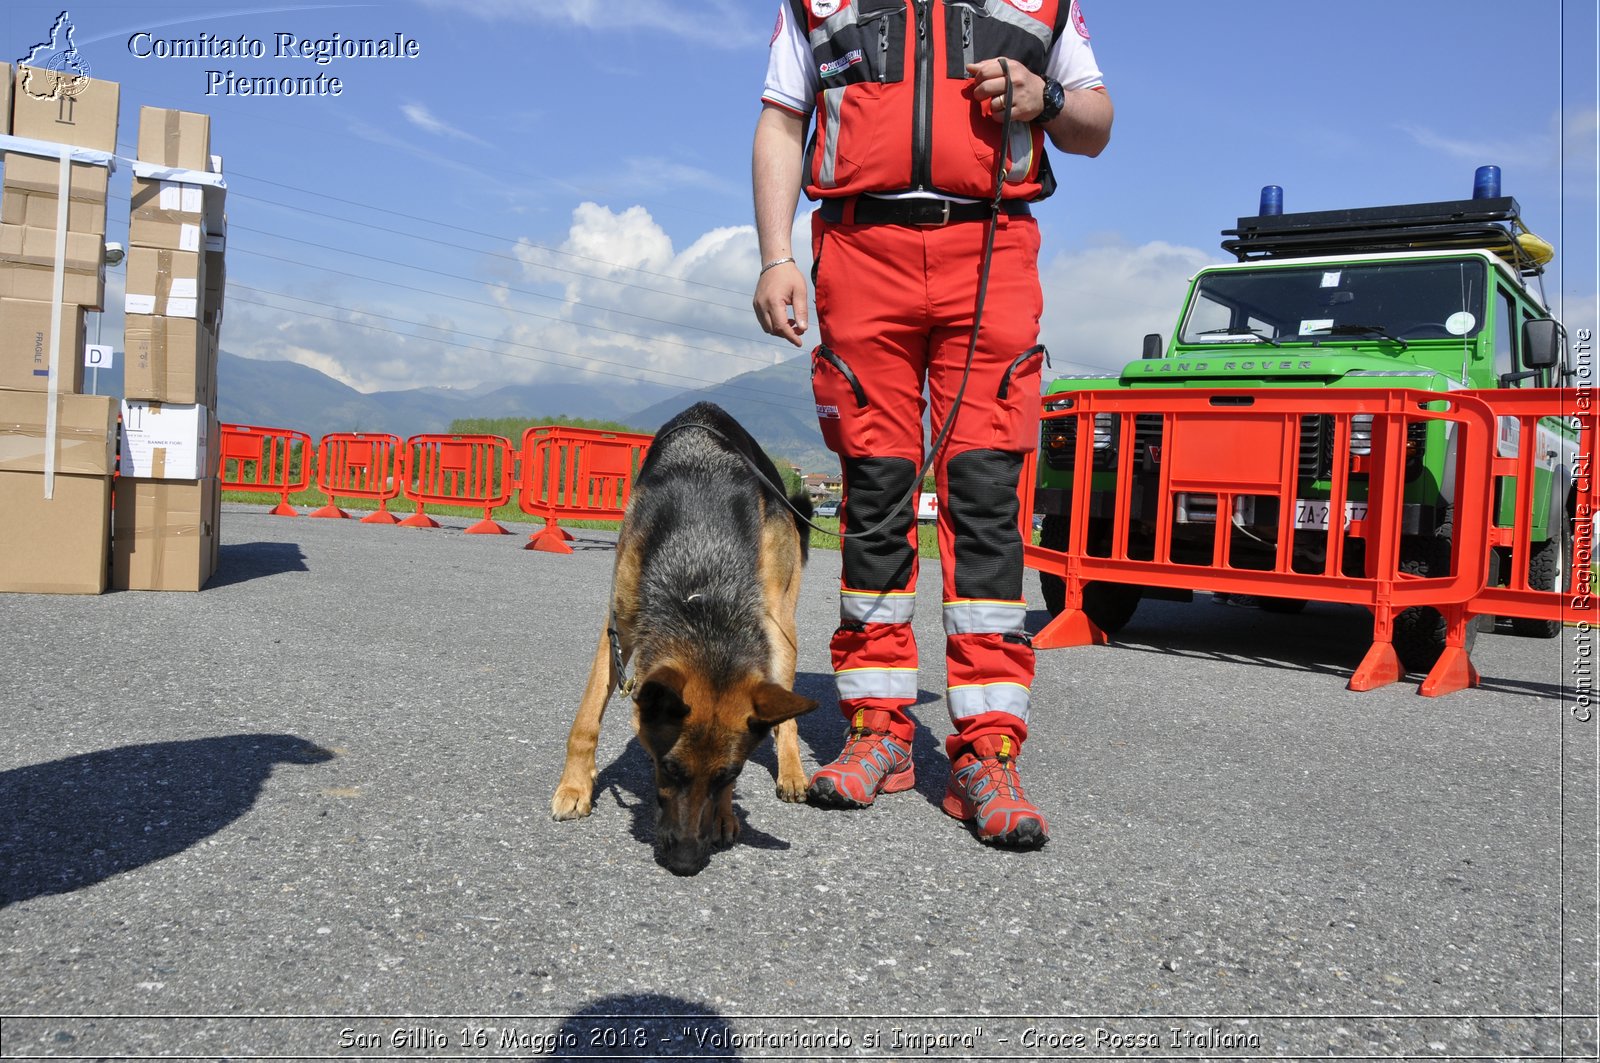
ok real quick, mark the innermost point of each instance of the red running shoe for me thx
(872, 762)
(986, 791)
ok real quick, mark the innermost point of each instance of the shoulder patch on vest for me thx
(1077, 21)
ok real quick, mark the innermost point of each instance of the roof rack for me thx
(1490, 224)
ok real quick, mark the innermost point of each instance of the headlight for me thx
(1105, 431)
(1361, 433)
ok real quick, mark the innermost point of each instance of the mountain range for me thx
(774, 403)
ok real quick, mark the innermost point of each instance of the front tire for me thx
(1547, 571)
(1419, 632)
(1109, 605)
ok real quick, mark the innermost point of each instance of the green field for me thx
(306, 501)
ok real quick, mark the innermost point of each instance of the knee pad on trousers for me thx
(885, 560)
(982, 509)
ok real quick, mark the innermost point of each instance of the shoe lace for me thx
(1001, 770)
(860, 739)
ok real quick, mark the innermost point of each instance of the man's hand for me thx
(989, 89)
(780, 302)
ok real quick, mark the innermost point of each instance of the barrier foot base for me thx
(1072, 627)
(330, 510)
(486, 527)
(550, 540)
(1452, 672)
(383, 516)
(1380, 667)
(284, 509)
(419, 520)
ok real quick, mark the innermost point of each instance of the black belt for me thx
(872, 210)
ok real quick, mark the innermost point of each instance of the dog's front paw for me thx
(792, 789)
(725, 827)
(570, 802)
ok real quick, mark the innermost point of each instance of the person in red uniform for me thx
(907, 98)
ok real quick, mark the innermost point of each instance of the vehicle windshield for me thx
(1397, 301)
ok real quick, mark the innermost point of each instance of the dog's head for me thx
(700, 738)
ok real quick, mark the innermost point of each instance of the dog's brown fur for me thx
(704, 590)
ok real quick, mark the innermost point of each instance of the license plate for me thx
(1313, 513)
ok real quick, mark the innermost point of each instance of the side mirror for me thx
(1153, 347)
(1543, 341)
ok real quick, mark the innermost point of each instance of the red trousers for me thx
(895, 307)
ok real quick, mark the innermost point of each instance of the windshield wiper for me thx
(1240, 332)
(1365, 330)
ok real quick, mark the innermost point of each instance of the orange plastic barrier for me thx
(357, 465)
(1241, 448)
(265, 459)
(1523, 447)
(457, 471)
(576, 474)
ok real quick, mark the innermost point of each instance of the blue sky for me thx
(555, 190)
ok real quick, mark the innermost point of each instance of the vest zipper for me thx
(922, 108)
(883, 50)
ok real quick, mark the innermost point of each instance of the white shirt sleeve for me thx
(1071, 60)
(792, 78)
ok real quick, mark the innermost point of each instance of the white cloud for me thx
(1100, 301)
(419, 115)
(685, 311)
(1531, 149)
(739, 24)
(614, 303)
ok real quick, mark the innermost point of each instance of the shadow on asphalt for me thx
(72, 823)
(243, 562)
(630, 782)
(637, 1026)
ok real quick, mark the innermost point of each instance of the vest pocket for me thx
(842, 407)
(1016, 408)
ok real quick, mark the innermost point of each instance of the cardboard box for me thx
(37, 247)
(165, 282)
(175, 138)
(25, 327)
(163, 536)
(34, 173)
(6, 74)
(167, 214)
(86, 433)
(46, 105)
(214, 498)
(166, 441)
(21, 207)
(84, 288)
(59, 545)
(167, 359)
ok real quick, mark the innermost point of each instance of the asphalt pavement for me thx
(305, 814)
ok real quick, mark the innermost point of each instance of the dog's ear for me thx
(660, 696)
(772, 704)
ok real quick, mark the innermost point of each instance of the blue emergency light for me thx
(1271, 200)
(1486, 183)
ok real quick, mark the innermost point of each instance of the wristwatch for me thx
(1055, 98)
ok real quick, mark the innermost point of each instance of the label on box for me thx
(185, 199)
(139, 304)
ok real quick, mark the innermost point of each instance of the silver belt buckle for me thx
(944, 216)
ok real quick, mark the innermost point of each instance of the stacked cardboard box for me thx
(56, 446)
(167, 501)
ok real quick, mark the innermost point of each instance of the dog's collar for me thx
(618, 666)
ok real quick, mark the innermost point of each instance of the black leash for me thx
(1001, 165)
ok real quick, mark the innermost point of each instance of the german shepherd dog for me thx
(703, 597)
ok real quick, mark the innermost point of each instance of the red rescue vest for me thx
(894, 110)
